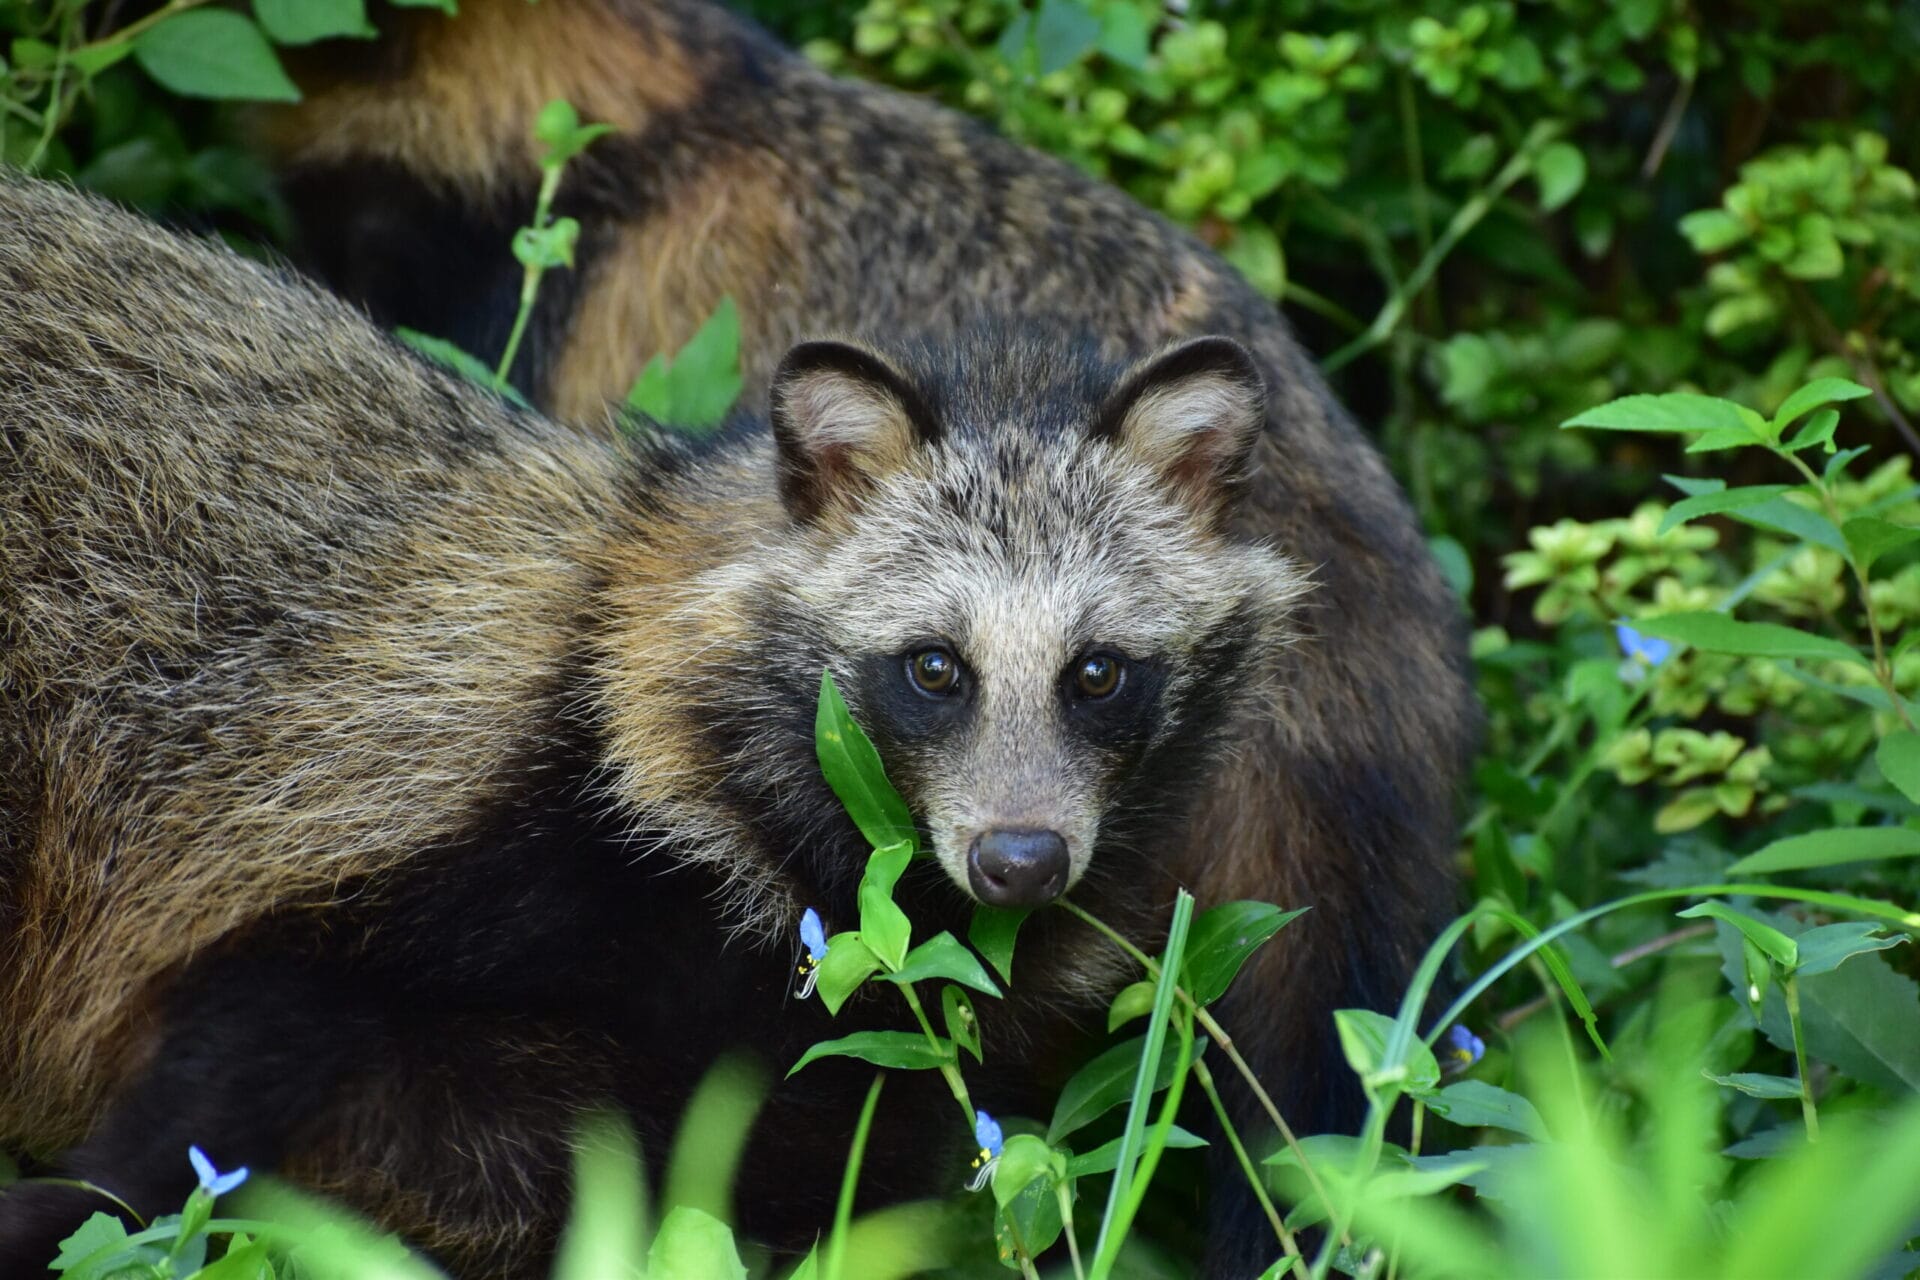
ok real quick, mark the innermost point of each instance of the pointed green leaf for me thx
(462, 363)
(1134, 1001)
(1830, 848)
(305, 21)
(848, 963)
(1756, 1085)
(884, 927)
(963, 1024)
(855, 773)
(1477, 1104)
(1817, 431)
(1717, 633)
(1898, 756)
(213, 53)
(1871, 538)
(1675, 412)
(1826, 947)
(942, 956)
(1816, 393)
(1794, 520)
(908, 1050)
(693, 1245)
(1104, 1157)
(1778, 946)
(1223, 938)
(992, 932)
(1106, 1082)
(1560, 170)
(1708, 504)
(1364, 1036)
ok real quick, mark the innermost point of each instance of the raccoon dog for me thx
(387, 776)
(824, 205)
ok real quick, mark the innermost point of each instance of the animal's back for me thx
(253, 560)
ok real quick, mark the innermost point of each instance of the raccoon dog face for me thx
(1016, 565)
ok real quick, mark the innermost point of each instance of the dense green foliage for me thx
(1489, 218)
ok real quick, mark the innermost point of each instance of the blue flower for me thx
(1463, 1048)
(212, 1181)
(1648, 649)
(813, 936)
(986, 1132)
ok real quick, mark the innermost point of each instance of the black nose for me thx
(1017, 868)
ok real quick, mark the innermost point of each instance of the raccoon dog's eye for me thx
(1097, 676)
(934, 671)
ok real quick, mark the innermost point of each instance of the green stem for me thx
(1791, 989)
(951, 1070)
(1204, 1078)
(1123, 1197)
(1416, 172)
(843, 1210)
(1065, 1201)
(530, 281)
(1464, 220)
(1221, 1041)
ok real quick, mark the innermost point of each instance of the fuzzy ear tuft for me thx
(842, 417)
(1191, 414)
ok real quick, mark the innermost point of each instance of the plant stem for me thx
(530, 281)
(843, 1210)
(1204, 1078)
(1790, 988)
(1221, 1041)
(1520, 1013)
(1464, 219)
(1066, 1222)
(950, 1070)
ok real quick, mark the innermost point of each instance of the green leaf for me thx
(606, 1227)
(1756, 1085)
(1817, 430)
(1795, 520)
(1224, 937)
(848, 963)
(942, 956)
(1826, 947)
(1476, 1104)
(444, 6)
(90, 60)
(698, 386)
(305, 21)
(992, 932)
(467, 366)
(694, 1245)
(1708, 504)
(1023, 1158)
(1363, 1038)
(855, 773)
(559, 130)
(1717, 633)
(1561, 170)
(963, 1024)
(1126, 35)
(1898, 756)
(99, 1231)
(1830, 848)
(1104, 1157)
(1778, 946)
(905, 1049)
(1134, 1001)
(1724, 438)
(1106, 1082)
(884, 927)
(1870, 538)
(1677, 411)
(1816, 393)
(1026, 1217)
(1711, 230)
(211, 53)
(1064, 31)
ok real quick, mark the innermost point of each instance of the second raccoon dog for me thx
(827, 205)
(387, 776)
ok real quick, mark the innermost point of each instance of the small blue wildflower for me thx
(212, 1181)
(1648, 649)
(986, 1132)
(1463, 1048)
(813, 936)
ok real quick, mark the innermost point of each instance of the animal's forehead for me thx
(1015, 544)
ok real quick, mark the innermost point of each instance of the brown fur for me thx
(825, 205)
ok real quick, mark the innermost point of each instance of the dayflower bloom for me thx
(212, 1181)
(986, 1132)
(813, 936)
(1463, 1049)
(1648, 649)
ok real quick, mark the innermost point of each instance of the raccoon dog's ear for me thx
(842, 418)
(1192, 414)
